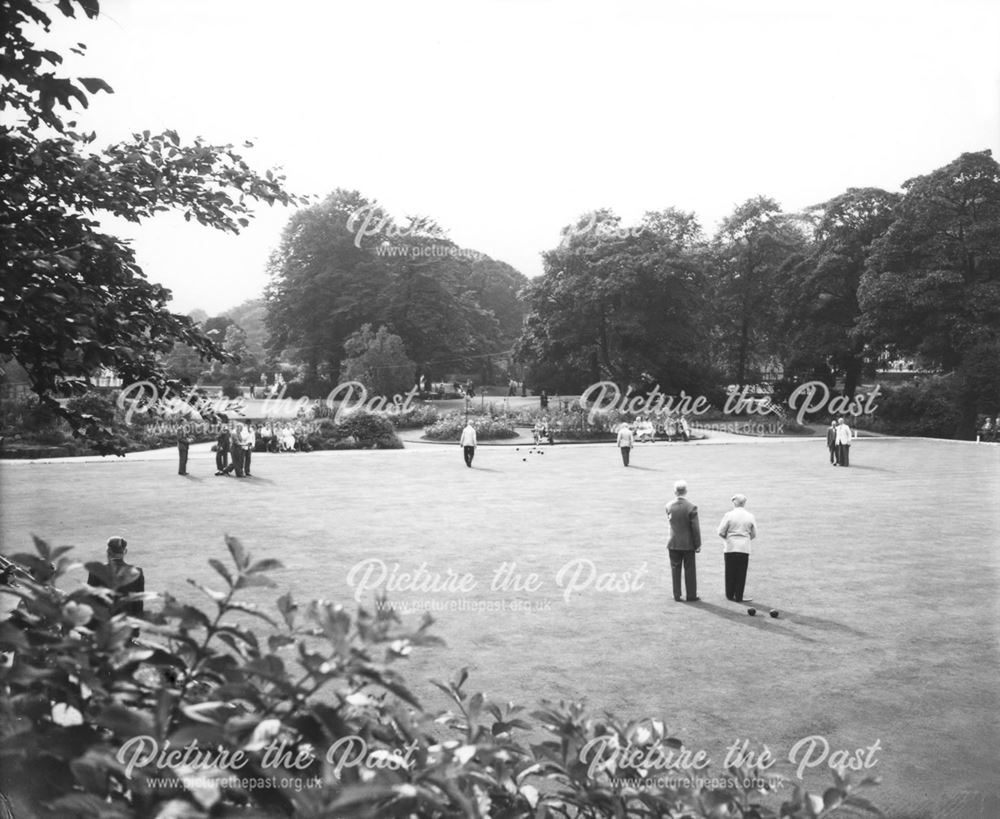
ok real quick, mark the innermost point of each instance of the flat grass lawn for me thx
(885, 574)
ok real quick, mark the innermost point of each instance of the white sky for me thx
(505, 119)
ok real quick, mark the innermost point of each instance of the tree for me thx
(619, 303)
(250, 316)
(322, 286)
(819, 287)
(337, 269)
(748, 250)
(377, 360)
(425, 300)
(932, 283)
(73, 299)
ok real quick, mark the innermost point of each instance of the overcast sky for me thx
(504, 120)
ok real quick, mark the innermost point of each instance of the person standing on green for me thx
(684, 542)
(625, 441)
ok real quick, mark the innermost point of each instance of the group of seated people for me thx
(286, 437)
(666, 426)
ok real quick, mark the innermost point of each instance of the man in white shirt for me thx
(737, 529)
(625, 441)
(248, 440)
(468, 443)
(843, 443)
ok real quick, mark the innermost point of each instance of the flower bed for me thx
(488, 428)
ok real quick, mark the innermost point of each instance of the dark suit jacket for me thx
(831, 437)
(125, 579)
(685, 531)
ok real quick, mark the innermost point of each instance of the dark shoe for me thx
(678, 600)
(694, 599)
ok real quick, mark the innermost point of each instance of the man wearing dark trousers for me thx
(625, 442)
(843, 443)
(831, 442)
(183, 444)
(236, 452)
(468, 443)
(684, 542)
(249, 443)
(222, 451)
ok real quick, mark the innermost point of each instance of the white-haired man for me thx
(737, 529)
(468, 443)
(843, 443)
(684, 542)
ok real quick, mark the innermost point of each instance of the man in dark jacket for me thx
(121, 577)
(183, 445)
(684, 542)
(222, 450)
(831, 442)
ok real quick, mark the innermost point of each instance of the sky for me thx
(504, 120)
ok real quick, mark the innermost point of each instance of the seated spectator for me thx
(644, 430)
(301, 438)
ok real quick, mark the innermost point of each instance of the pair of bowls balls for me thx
(753, 612)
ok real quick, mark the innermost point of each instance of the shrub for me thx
(93, 696)
(928, 408)
(357, 430)
(100, 405)
(488, 428)
(26, 414)
(422, 415)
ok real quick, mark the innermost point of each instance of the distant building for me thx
(14, 381)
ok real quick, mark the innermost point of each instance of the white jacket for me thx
(468, 437)
(738, 528)
(843, 434)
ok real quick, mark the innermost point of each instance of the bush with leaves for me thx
(357, 430)
(30, 429)
(928, 408)
(488, 428)
(414, 417)
(189, 712)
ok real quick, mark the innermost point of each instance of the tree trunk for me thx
(852, 375)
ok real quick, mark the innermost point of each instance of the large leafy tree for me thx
(748, 250)
(322, 286)
(73, 299)
(336, 271)
(932, 283)
(618, 303)
(818, 288)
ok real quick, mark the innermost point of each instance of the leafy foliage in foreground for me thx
(73, 299)
(309, 720)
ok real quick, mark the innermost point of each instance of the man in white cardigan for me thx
(468, 443)
(843, 443)
(737, 529)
